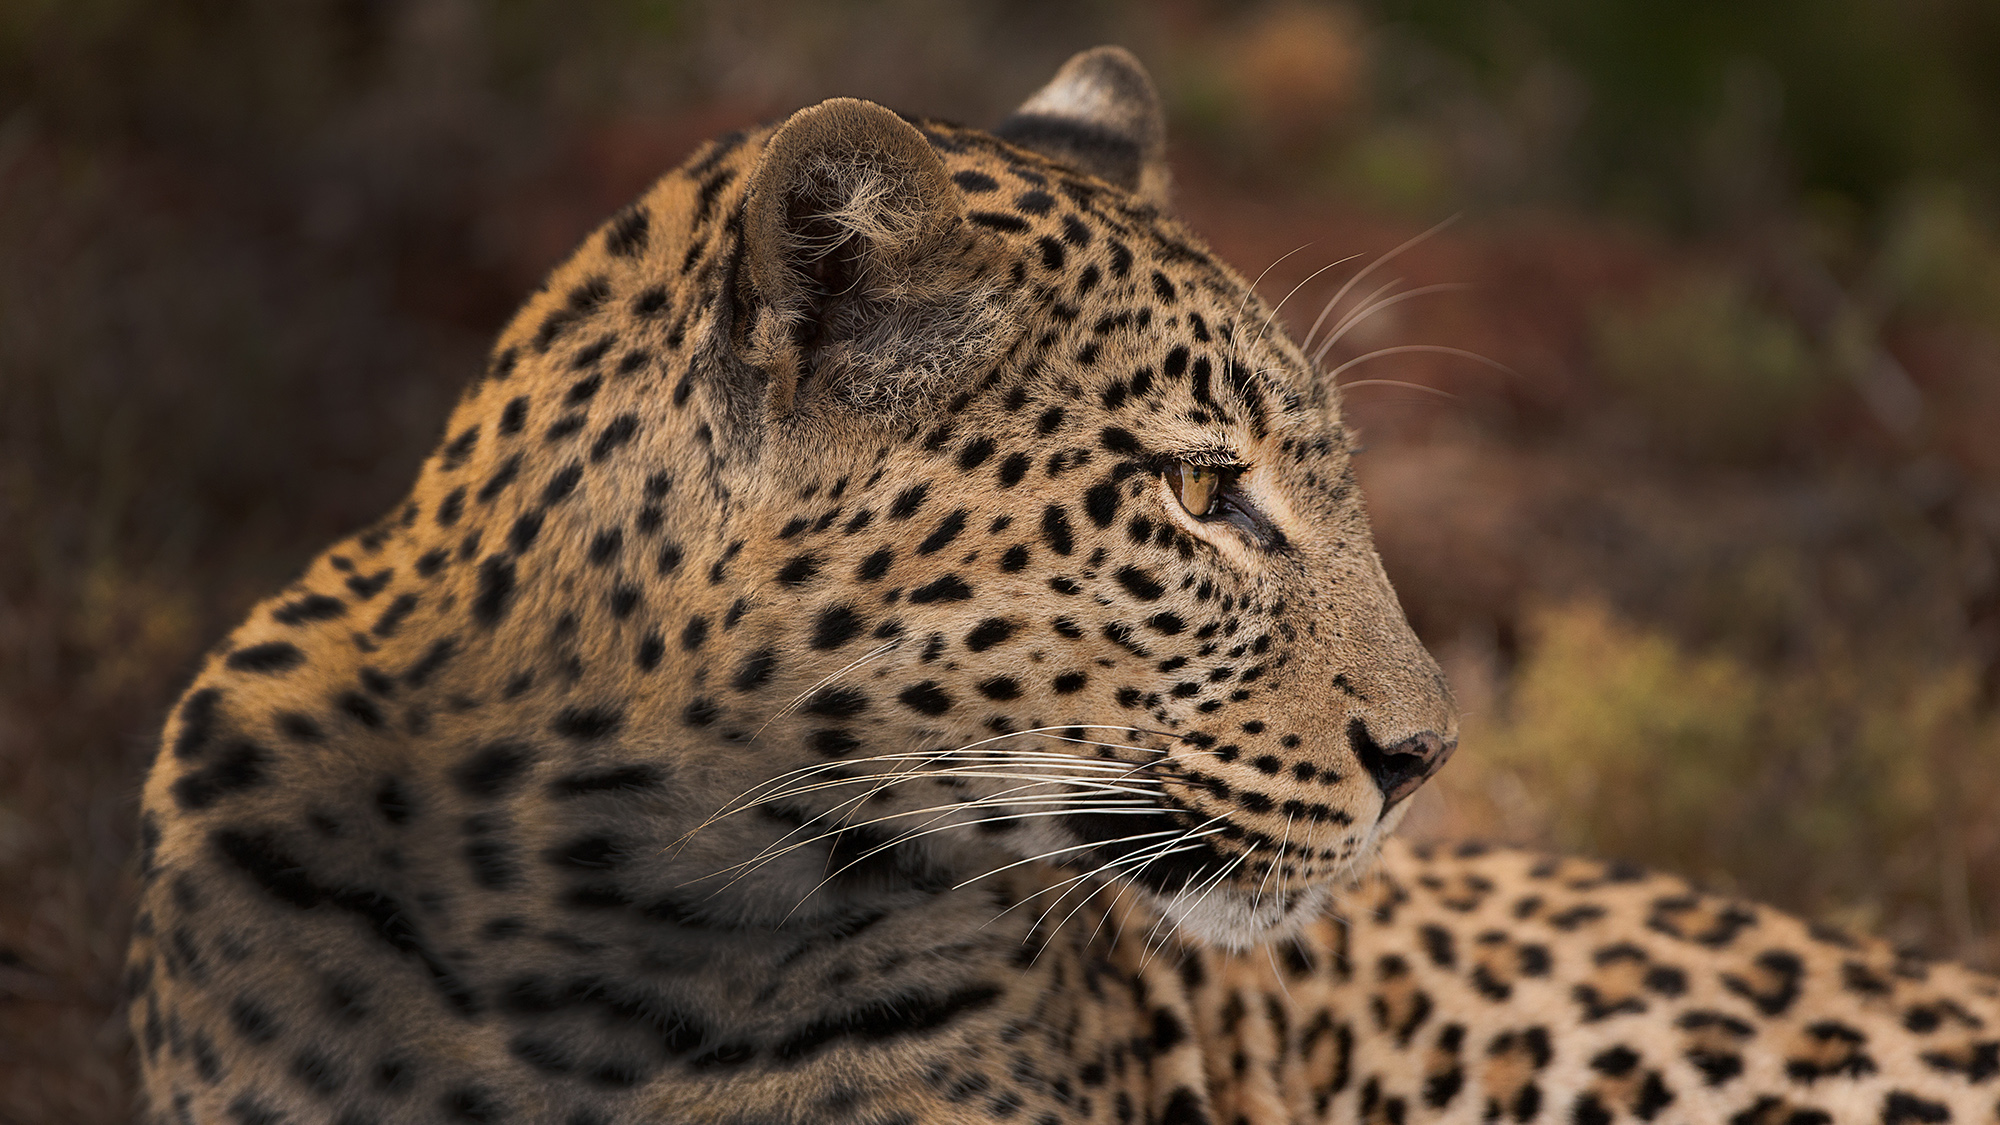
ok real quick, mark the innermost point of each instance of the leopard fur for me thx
(796, 691)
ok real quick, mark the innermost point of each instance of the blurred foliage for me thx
(1672, 105)
(1716, 375)
(1797, 781)
(1941, 255)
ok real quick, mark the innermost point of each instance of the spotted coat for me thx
(892, 636)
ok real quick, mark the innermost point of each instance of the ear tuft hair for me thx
(1101, 115)
(865, 280)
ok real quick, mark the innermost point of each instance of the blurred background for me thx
(1710, 555)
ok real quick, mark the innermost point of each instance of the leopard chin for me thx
(1238, 919)
(1240, 915)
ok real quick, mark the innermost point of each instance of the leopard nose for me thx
(1398, 770)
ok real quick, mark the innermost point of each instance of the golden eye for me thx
(1196, 486)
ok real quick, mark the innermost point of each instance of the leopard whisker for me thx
(1210, 884)
(991, 771)
(1346, 319)
(990, 761)
(783, 844)
(1239, 861)
(1071, 882)
(931, 827)
(1183, 842)
(1405, 348)
(1207, 828)
(1404, 384)
(1208, 881)
(877, 782)
(1294, 289)
(879, 650)
(1081, 903)
(927, 825)
(1126, 774)
(1078, 726)
(1365, 311)
(750, 796)
(984, 760)
(1062, 850)
(1252, 290)
(1099, 742)
(1166, 848)
(1118, 891)
(1362, 274)
(1275, 860)
(1325, 311)
(933, 755)
(1277, 866)
(779, 847)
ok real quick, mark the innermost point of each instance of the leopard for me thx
(891, 635)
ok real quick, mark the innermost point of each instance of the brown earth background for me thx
(1708, 537)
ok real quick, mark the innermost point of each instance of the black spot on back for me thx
(269, 657)
(493, 771)
(587, 724)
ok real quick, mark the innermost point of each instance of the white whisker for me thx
(1435, 348)
(1180, 843)
(1294, 289)
(1085, 900)
(1167, 848)
(1209, 884)
(1276, 859)
(1089, 787)
(931, 827)
(1252, 291)
(1277, 862)
(1384, 260)
(1006, 797)
(1346, 320)
(1063, 850)
(1227, 868)
(1365, 311)
(825, 680)
(1404, 384)
(750, 796)
(1208, 827)
(1119, 775)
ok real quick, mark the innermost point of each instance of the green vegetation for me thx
(1677, 102)
(1716, 375)
(1804, 782)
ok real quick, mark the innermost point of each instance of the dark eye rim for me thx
(1226, 475)
(1230, 505)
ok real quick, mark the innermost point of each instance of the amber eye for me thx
(1196, 486)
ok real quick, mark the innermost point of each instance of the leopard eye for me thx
(1195, 486)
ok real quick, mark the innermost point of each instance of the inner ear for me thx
(827, 261)
(855, 242)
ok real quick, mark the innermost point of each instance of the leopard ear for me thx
(863, 280)
(1099, 114)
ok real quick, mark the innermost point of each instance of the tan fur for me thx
(793, 692)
